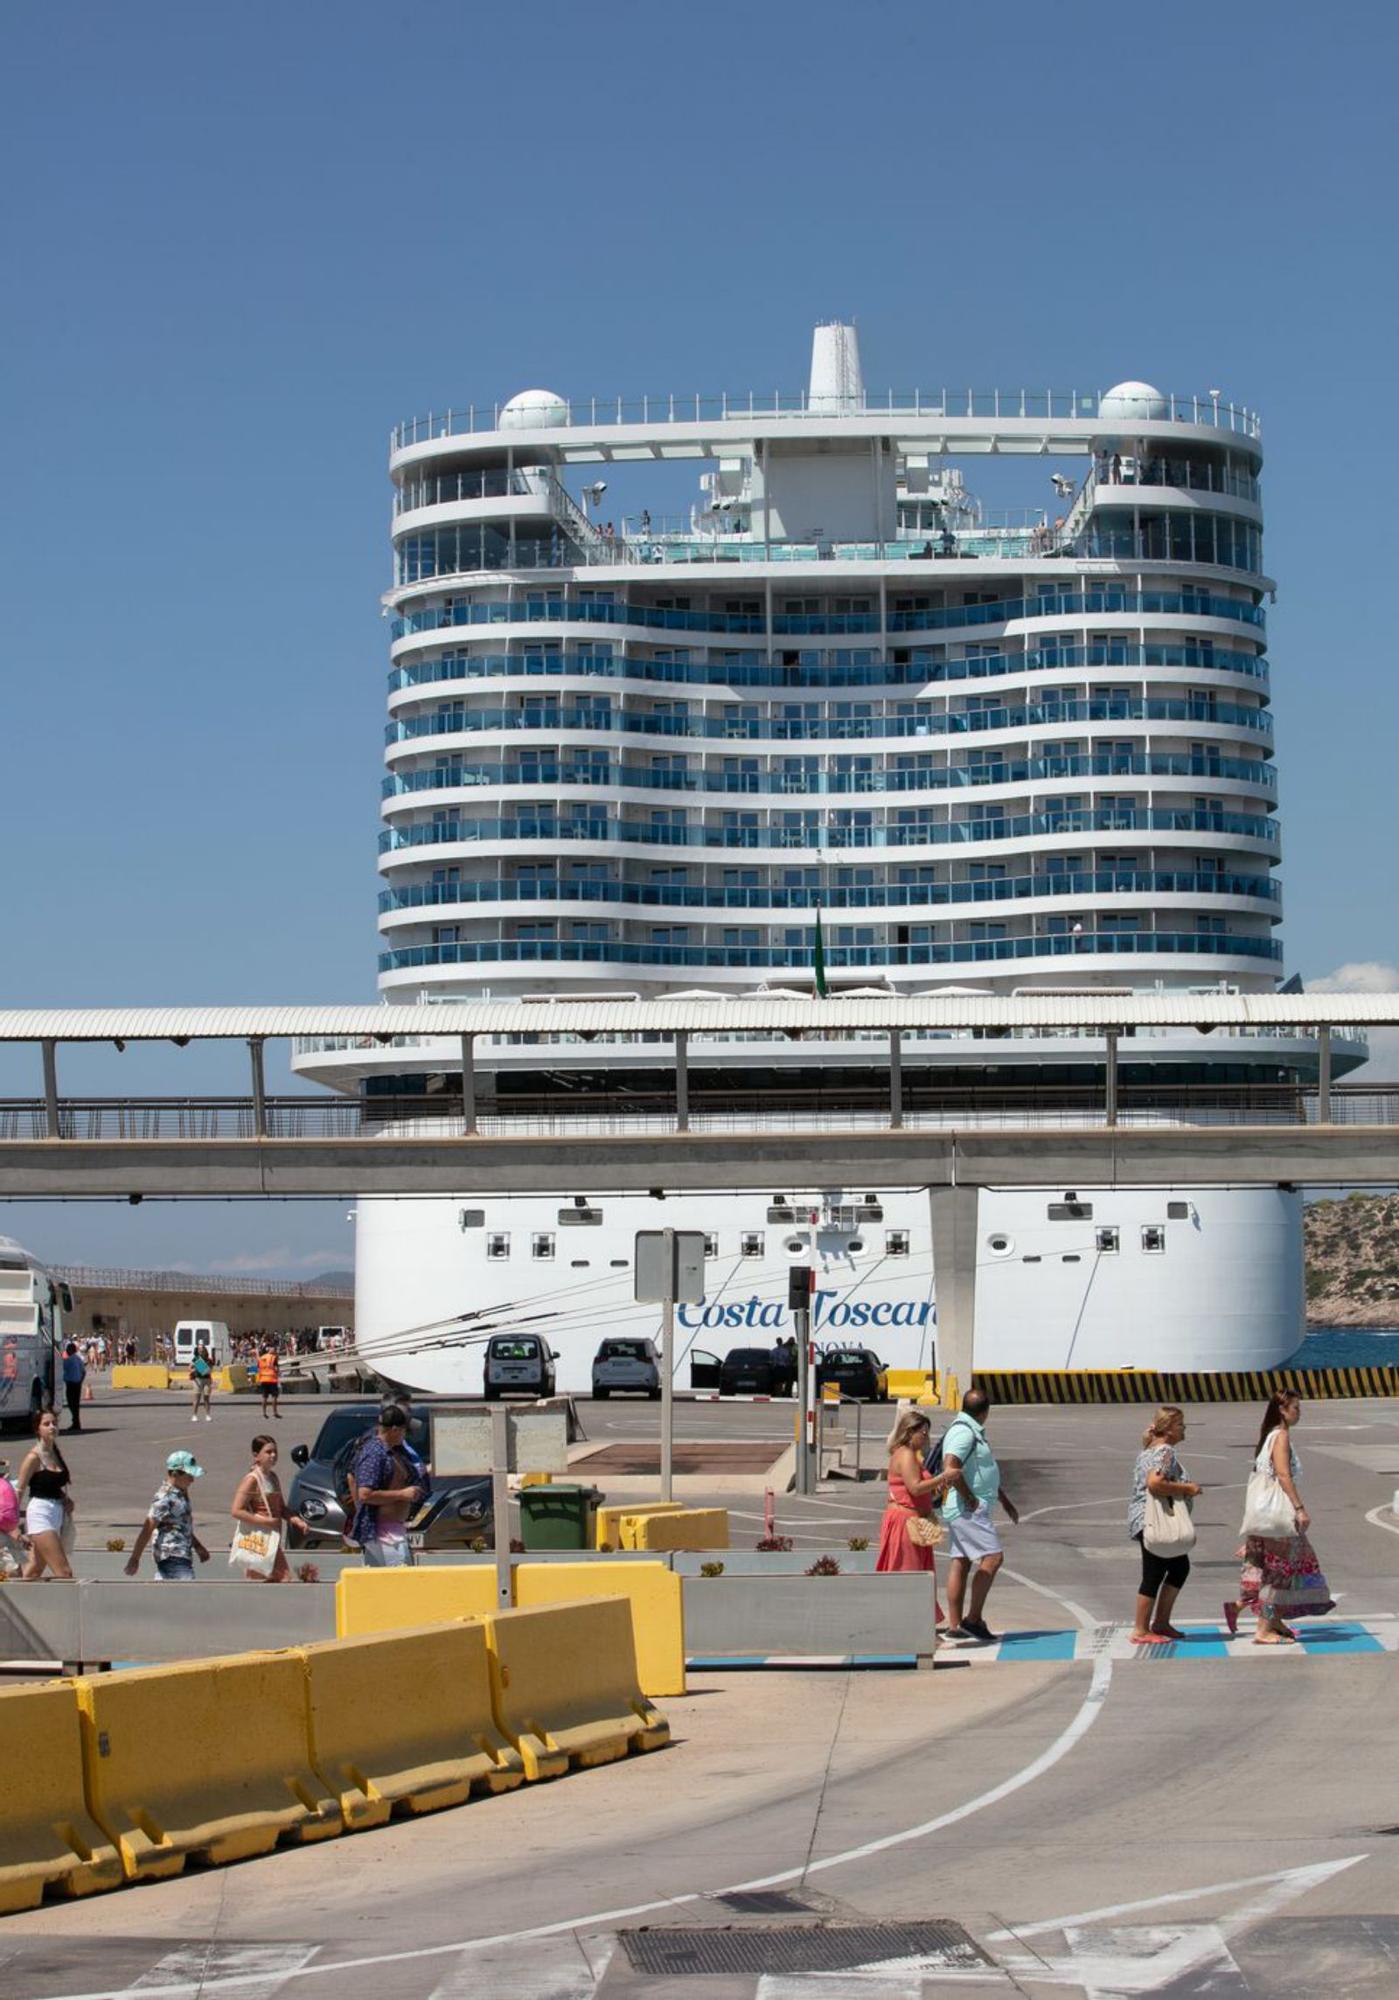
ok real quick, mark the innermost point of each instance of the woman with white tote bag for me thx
(1280, 1576)
(1158, 1520)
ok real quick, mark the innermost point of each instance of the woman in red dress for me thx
(912, 1494)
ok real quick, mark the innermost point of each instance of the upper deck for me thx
(601, 430)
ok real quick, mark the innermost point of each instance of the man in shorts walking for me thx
(385, 1494)
(973, 1542)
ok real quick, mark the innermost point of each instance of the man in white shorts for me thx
(971, 1532)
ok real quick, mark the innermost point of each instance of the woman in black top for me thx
(48, 1505)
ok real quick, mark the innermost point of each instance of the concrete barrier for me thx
(910, 1385)
(140, 1375)
(210, 1760)
(1134, 1385)
(657, 1608)
(816, 1616)
(49, 1842)
(564, 1686)
(685, 1528)
(609, 1519)
(394, 1600)
(401, 1722)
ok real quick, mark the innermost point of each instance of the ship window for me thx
(498, 1245)
(999, 1245)
(471, 1218)
(751, 1243)
(1153, 1236)
(782, 1212)
(1073, 1258)
(1031, 1260)
(576, 1217)
(1108, 1242)
(542, 1244)
(619, 1263)
(711, 1244)
(896, 1242)
(1177, 1211)
(1070, 1211)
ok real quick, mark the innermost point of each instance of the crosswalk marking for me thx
(193, 1965)
(559, 1968)
(1349, 1638)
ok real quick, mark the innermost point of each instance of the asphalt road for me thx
(1180, 1826)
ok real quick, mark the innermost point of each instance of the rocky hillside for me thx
(1352, 1250)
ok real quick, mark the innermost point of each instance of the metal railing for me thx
(1070, 406)
(922, 1103)
(94, 1277)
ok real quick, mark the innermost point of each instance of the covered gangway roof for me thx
(774, 1013)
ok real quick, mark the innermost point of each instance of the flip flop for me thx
(1231, 1619)
(1170, 1632)
(1275, 1639)
(1149, 1639)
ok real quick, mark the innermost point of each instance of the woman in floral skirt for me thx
(1281, 1577)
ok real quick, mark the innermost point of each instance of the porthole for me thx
(1000, 1246)
(855, 1247)
(797, 1246)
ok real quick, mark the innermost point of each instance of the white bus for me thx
(32, 1309)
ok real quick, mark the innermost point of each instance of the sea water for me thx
(1348, 1347)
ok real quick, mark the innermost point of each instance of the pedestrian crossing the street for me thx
(1316, 1639)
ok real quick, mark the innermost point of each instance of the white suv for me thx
(629, 1366)
(519, 1363)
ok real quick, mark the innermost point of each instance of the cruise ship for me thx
(833, 726)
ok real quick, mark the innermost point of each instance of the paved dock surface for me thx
(1055, 1815)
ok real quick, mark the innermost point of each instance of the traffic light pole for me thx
(799, 1283)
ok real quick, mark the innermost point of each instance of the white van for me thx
(213, 1333)
(333, 1339)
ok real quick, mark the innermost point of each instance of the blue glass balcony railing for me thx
(555, 951)
(814, 832)
(1096, 602)
(1075, 883)
(1254, 773)
(779, 728)
(733, 671)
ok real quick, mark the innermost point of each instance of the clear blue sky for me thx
(240, 242)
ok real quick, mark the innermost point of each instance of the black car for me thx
(856, 1371)
(749, 1371)
(456, 1512)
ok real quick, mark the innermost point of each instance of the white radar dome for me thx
(534, 410)
(1133, 402)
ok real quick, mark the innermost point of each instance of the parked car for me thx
(627, 1366)
(456, 1512)
(748, 1371)
(856, 1371)
(519, 1364)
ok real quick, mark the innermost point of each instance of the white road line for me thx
(1085, 1716)
(561, 1969)
(1306, 1878)
(1376, 1519)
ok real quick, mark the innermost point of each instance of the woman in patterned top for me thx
(1160, 1472)
(1280, 1576)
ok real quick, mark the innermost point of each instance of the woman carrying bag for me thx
(1158, 1520)
(908, 1534)
(260, 1516)
(1280, 1576)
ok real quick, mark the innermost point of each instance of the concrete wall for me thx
(133, 1313)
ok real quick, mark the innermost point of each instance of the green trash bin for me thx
(558, 1517)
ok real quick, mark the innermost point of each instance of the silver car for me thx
(631, 1367)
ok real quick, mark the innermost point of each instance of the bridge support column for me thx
(896, 1080)
(468, 1083)
(682, 1080)
(954, 1213)
(1323, 1076)
(51, 1090)
(1110, 1076)
(259, 1088)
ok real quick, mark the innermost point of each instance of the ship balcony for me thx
(595, 830)
(821, 670)
(1088, 951)
(773, 902)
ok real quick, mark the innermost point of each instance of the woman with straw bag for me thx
(908, 1534)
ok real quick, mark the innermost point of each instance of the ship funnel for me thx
(837, 386)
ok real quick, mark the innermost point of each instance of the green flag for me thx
(818, 959)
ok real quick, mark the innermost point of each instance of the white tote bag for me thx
(1169, 1530)
(1267, 1510)
(256, 1548)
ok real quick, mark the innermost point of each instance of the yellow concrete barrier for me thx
(401, 1722)
(564, 1686)
(209, 1760)
(49, 1842)
(609, 1519)
(909, 1385)
(232, 1381)
(687, 1528)
(657, 1604)
(140, 1375)
(395, 1600)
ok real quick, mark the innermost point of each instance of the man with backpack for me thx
(973, 1541)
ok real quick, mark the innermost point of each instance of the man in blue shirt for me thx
(971, 1532)
(74, 1370)
(385, 1495)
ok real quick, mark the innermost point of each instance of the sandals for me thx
(1231, 1619)
(1149, 1639)
(1275, 1639)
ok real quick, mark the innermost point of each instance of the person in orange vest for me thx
(269, 1379)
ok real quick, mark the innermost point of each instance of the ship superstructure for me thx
(833, 726)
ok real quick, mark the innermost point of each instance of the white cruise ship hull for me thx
(1143, 1278)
